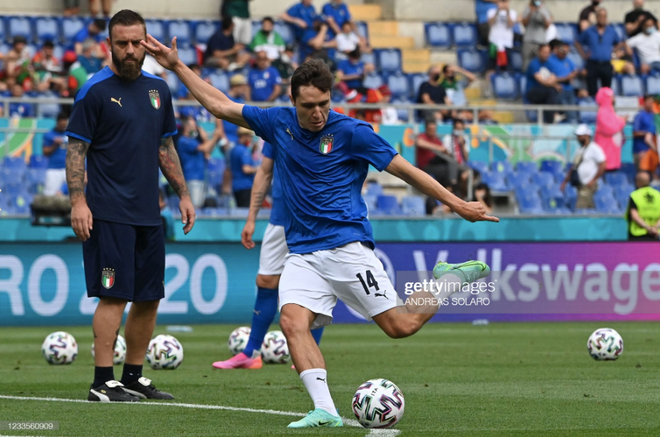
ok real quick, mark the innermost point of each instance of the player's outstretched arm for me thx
(81, 216)
(260, 187)
(170, 165)
(470, 211)
(214, 100)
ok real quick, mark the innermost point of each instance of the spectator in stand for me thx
(600, 41)
(47, 69)
(267, 40)
(222, 51)
(239, 92)
(239, 10)
(94, 8)
(542, 85)
(17, 61)
(20, 109)
(587, 16)
(88, 59)
(565, 71)
(643, 214)
(93, 31)
(501, 22)
(264, 80)
(310, 31)
(194, 148)
(243, 168)
(458, 151)
(431, 155)
(635, 20)
(196, 111)
(151, 66)
(352, 71)
(54, 147)
(348, 40)
(609, 129)
(482, 195)
(431, 93)
(336, 14)
(71, 7)
(537, 19)
(644, 131)
(454, 80)
(483, 7)
(647, 44)
(588, 167)
(76, 73)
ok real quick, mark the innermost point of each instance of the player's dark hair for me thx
(458, 120)
(269, 19)
(227, 22)
(48, 44)
(314, 72)
(126, 17)
(62, 116)
(355, 54)
(100, 24)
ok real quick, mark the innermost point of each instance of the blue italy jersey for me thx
(263, 82)
(321, 176)
(238, 157)
(57, 159)
(193, 162)
(124, 122)
(277, 213)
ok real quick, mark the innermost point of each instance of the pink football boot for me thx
(240, 361)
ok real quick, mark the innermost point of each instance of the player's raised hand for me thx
(187, 214)
(475, 212)
(81, 220)
(167, 57)
(246, 235)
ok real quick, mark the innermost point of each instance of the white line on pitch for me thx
(349, 422)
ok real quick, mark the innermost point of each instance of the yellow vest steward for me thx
(647, 200)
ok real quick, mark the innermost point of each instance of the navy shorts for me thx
(125, 261)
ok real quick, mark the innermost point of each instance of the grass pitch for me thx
(519, 379)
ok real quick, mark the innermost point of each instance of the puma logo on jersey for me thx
(112, 99)
(384, 294)
(289, 132)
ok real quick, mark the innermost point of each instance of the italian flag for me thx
(108, 281)
(155, 102)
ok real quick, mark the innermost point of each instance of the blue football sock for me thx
(265, 309)
(317, 333)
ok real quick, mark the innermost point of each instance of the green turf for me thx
(458, 379)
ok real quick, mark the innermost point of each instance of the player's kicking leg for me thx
(271, 264)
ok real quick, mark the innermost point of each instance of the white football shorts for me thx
(351, 273)
(273, 251)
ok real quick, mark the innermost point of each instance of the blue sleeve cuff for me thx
(80, 137)
(169, 134)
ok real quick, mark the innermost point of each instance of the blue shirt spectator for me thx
(337, 12)
(643, 125)
(264, 80)
(599, 47)
(55, 142)
(220, 41)
(239, 157)
(537, 66)
(352, 71)
(93, 31)
(482, 8)
(193, 146)
(562, 68)
(302, 15)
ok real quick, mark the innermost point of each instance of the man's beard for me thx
(128, 71)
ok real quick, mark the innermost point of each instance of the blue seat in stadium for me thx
(220, 80)
(438, 34)
(588, 114)
(552, 189)
(464, 35)
(398, 84)
(616, 87)
(14, 162)
(606, 204)
(652, 84)
(616, 178)
(416, 80)
(517, 180)
(505, 86)
(472, 60)
(285, 31)
(388, 60)
(403, 114)
(515, 61)
(22, 202)
(570, 196)
(631, 86)
(530, 203)
(204, 30)
(622, 195)
(480, 166)
(188, 55)
(370, 201)
(630, 170)
(13, 187)
(620, 30)
(495, 181)
(554, 167)
(47, 29)
(38, 161)
(553, 204)
(368, 58)
(180, 29)
(503, 167)
(388, 205)
(48, 109)
(528, 189)
(566, 32)
(544, 179)
(577, 60)
(239, 212)
(527, 167)
(35, 179)
(374, 189)
(19, 26)
(363, 29)
(156, 28)
(216, 212)
(71, 26)
(604, 190)
(372, 81)
(414, 206)
(3, 31)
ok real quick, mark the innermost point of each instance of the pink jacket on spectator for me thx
(609, 128)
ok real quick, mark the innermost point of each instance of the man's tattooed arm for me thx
(75, 168)
(171, 167)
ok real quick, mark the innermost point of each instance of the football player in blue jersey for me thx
(122, 124)
(322, 158)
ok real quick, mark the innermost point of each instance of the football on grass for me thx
(59, 348)
(164, 352)
(274, 349)
(238, 339)
(605, 344)
(378, 403)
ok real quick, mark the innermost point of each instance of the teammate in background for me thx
(54, 148)
(123, 122)
(322, 159)
(242, 167)
(271, 264)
